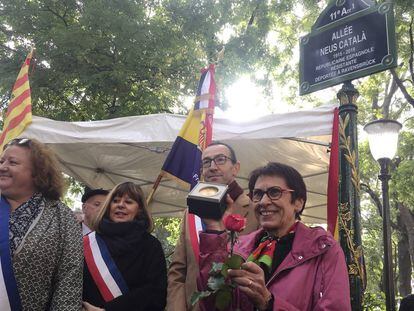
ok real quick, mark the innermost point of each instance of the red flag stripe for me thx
(333, 176)
(193, 235)
(20, 82)
(17, 101)
(28, 59)
(15, 121)
(212, 89)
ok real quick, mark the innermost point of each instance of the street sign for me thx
(351, 39)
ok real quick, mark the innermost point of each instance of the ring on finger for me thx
(250, 283)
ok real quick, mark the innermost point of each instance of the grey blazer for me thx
(48, 264)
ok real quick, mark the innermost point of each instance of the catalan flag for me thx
(19, 112)
(183, 161)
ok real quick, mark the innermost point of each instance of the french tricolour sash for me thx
(102, 267)
(195, 226)
(9, 294)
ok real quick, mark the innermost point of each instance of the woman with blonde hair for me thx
(40, 241)
(125, 266)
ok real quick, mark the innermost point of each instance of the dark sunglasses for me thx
(273, 193)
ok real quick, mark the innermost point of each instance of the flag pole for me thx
(154, 188)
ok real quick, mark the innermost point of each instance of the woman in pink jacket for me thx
(289, 265)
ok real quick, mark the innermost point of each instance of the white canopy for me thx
(104, 153)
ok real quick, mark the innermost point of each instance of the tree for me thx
(103, 59)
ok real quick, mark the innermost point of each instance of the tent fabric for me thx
(103, 153)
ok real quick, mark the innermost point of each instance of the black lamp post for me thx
(383, 141)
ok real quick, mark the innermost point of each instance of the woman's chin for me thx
(120, 219)
(269, 227)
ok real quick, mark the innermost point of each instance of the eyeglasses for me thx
(18, 141)
(273, 193)
(220, 159)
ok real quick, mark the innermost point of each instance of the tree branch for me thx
(7, 32)
(56, 14)
(410, 62)
(407, 96)
(375, 100)
(373, 196)
(388, 97)
(8, 48)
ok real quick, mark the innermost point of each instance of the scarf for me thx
(264, 252)
(122, 237)
(22, 218)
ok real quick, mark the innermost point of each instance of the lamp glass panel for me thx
(383, 145)
(383, 139)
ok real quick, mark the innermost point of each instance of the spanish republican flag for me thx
(19, 112)
(183, 161)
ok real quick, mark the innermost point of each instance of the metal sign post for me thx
(349, 40)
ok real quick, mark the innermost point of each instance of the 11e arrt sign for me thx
(347, 44)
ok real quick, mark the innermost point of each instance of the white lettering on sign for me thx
(339, 13)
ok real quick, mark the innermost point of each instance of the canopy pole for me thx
(349, 214)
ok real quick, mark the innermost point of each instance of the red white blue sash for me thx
(9, 294)
(102, 268)
(195, 226)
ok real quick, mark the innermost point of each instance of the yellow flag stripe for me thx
(191, 127)
(17, 92)
(16, 111)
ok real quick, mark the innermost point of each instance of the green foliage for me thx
(218, 283)
(223, 299)
(374, 301)
(197, 296)
(403, 178)
(167, 230)
(104, 59)
(73, 188)
(233, 262)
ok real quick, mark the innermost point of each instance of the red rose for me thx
(235, 222)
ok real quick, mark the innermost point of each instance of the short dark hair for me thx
(292, 177)
(232, 152)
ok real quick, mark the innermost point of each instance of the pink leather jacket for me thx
(313, 276)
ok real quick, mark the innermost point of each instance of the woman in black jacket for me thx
(125, 265)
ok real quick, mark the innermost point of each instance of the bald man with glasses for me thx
(219, 165)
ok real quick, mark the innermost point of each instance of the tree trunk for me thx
(407, 218)
(405, 249)
(404, 261)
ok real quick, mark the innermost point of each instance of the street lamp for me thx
(383, 140)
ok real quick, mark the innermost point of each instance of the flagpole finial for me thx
(220, 55)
